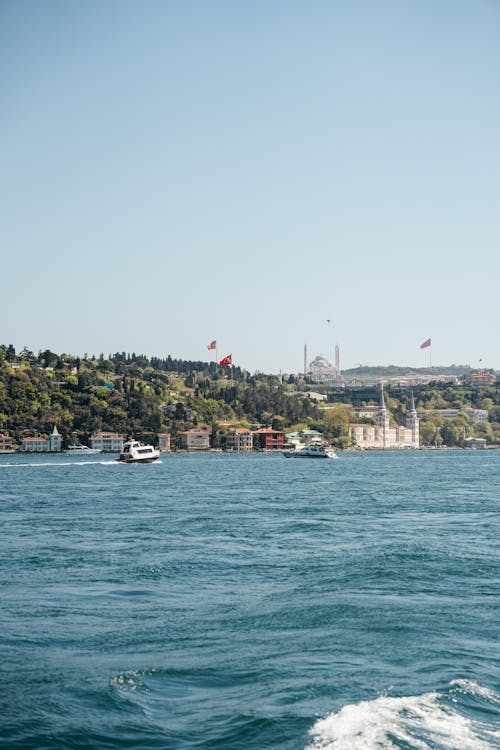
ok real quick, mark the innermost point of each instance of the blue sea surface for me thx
(249, 602)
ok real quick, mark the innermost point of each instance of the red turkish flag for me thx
(226, 361)
(425, 344)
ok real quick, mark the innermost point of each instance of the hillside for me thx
(129, 393)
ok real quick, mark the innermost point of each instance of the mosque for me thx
(381, 435)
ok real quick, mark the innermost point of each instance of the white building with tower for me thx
(52, 444)
(382, 435)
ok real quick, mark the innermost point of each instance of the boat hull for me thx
(311, 451)
(298, 455)
(147, 460)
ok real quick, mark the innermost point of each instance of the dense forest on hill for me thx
(129, 393)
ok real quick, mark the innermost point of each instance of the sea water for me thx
(247, 602)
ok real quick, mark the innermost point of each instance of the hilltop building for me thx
(382, 436)
(321, 370)
(478, 379)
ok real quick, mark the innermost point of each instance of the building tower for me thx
(382, 418)
(54, 440)
(413, 422)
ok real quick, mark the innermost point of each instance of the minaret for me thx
(382, 418)
(305, 360)
(413, 422)
(337, 361)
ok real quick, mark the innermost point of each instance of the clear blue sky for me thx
(175, 172)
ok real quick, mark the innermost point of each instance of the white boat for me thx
(311, 451)
(82, 450)
(134, 452)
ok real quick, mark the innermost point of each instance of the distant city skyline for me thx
(263, 175)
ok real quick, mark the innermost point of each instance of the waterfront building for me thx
(164, 442)
(475, 442)
(34, 445)
(108, 442)
(52, 444)
(382, 435)
(197, 439)
(266, 439)
(6, 444)
(239, 440)
(55, 441)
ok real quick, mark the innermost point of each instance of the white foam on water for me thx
(421, 722)
(56, 465)
(129, 680)
(473, 688)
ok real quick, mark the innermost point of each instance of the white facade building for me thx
(108, 442)
(382, 436)
(52, 444)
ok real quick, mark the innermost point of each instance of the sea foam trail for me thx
(423, 722)
(59, 464)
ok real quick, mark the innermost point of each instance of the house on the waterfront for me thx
(239, 440)
(52, 444)
(267, 439)
(475, 442)
(164, 442)
(6, 444)
(382, 435)
(197, 439)
(107, 442)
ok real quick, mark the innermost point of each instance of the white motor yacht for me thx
(311, 451)
(82, 450)
(134, 452)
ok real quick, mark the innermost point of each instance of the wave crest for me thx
(423, 722)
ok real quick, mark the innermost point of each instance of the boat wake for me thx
(56, 465)
(431, 721)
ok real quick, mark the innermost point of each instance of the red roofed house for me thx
(267, 439)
